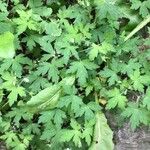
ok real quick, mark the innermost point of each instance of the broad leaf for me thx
(7, 49)
(47, 98)
(102, 134)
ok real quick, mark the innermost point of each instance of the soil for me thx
(125, 138)
(2, 146)
(132, 140)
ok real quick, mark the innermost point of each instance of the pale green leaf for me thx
(46, 98)
(7, 49)
(102, 134)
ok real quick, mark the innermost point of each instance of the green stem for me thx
(4, 106)
(139, 27)
(96, 97)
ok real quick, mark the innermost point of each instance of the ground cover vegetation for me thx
(64, 64)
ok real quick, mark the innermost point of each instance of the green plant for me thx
(64, 64)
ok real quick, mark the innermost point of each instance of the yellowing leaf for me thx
(102, 101)
(102, 134)
(7, 49)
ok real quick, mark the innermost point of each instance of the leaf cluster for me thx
(63, 64)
